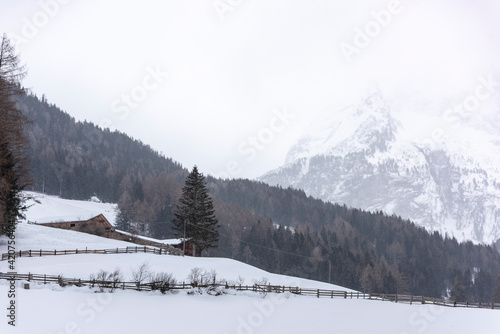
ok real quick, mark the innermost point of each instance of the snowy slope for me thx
(53, 209)
(81, 266)
(52, 309)
(442, 172)
(125, 312)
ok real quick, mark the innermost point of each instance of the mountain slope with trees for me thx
(280, 230)
(78, 159)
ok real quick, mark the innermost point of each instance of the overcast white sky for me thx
(229, 85)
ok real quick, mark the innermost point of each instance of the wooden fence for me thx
(110, 286)
(126, 250)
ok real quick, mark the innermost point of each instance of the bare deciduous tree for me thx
(141, 274)
(14, 176)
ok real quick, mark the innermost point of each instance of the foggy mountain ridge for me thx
(446, 180)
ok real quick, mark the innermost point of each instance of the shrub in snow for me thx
(239, 281)
(205, 281)
(214, 287)
(141, 274)
(260, 285)
(162, 281)
(60, 281)
(195, 277)
(107, 280)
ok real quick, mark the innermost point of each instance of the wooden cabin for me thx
(97, 225)
(100, 226)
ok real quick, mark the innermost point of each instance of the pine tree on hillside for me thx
(122, 221)
(195, 215)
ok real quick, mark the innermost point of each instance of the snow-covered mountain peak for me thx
(441, 173)
(365, 126)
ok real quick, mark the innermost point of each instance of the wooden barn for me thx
(97, 225)
(100, 226)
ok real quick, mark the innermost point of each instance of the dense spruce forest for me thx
(279, 230)
(77, 160)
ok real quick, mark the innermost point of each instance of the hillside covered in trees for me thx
(280, 230)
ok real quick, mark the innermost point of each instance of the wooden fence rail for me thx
(126, 250)
(318, 293)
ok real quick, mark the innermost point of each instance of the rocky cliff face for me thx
(364, 157)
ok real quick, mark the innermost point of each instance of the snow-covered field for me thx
(52, 309)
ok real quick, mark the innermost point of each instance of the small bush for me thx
(200, 278)
(260, 285)
(195, 278)
(141, 274)
(239, 281)
(60, 281)
(107, 280)
(162, 281)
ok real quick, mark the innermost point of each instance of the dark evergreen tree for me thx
(195, 215)
(14, 175)
(122, 222)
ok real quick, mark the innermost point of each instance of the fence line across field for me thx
(126, 250)
(318, 293)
